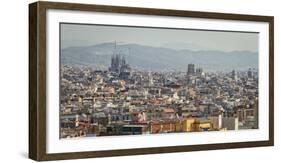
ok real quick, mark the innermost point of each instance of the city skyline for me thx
(104, 92)
(120, 101)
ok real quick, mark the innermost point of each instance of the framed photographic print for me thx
(112, 81)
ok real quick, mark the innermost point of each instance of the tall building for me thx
(124, 67)
(190, 69)
(234, 75)
(150, 78)
(115, 63)
(123, 61)
(118, 63)
(250, 73)
(199, 71)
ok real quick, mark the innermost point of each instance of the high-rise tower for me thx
(190, 69)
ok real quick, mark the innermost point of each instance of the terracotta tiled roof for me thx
(168, 110)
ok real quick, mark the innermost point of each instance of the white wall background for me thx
(14, 80)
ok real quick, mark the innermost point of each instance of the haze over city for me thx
(158, 49)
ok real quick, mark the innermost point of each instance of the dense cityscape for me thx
(122, 100)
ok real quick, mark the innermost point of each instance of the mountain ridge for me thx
(158, 58)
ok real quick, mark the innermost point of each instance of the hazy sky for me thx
(85, 35)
